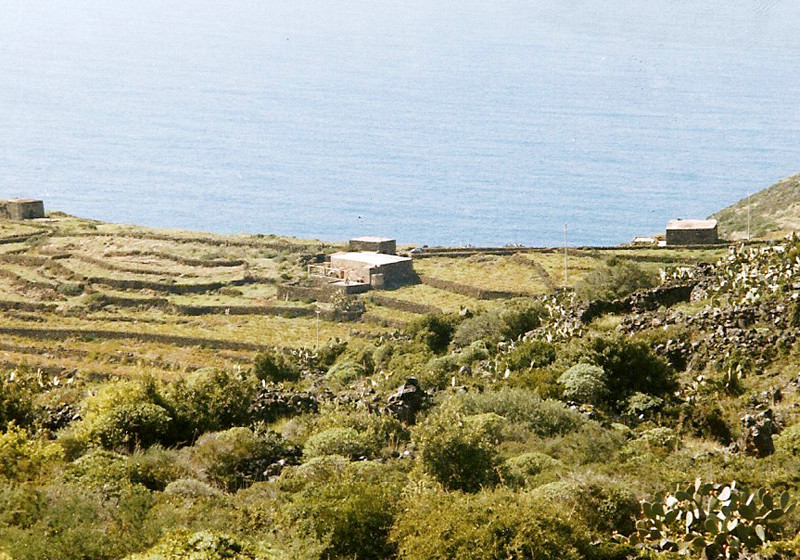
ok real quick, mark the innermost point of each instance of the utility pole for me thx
(565, 256)
(748, 217)
(317, 311)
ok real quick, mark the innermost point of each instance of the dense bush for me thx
(459, 454)
(123, 414)
(616, 279)
(603, 505)
(584, 383)
(435, 331)
(789, 440)
(527, 355)
(203, 545)
(341, 441)
(129, 426)
(342, 374)
(521, 406)
(513, 319)
(102, 470)
(351, 512)
(71, 521)
(530, 469)
(274, 365)
(154, 468)
(630, 367)
(235, 458)
(17, 391)
(23, 458)
(492, 524)
(209, 400)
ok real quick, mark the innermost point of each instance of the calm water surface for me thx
(434, 122)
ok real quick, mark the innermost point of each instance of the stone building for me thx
(378, 270)
(692, 232)
(21, 209)
(383, 245)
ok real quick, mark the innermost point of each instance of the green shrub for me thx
(459, 455)
(435, 331)
(589, 443)
(380, 434)
(530, 469)
(101, 470)
(640, 405)
(521, 406)
(630, 367)
(352, 512)
(17, 391)
(584, 383)
(603, 505)
(124, 414)
(340, 441)
(789, 440)
(513, 319)
(70, 289)
(527, 355)
(129, 426)
(191, 488)
(275, 366)
(23, 458)
(73, 521)
(235, 458)
(616, 279)
(210, 399)
(492, 524)
(203, 545)
(706, 418)
(154, 468)
(343, 374)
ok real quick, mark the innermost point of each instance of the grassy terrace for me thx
(100, 328)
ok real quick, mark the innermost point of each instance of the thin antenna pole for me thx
(748, 217)
(565, 255)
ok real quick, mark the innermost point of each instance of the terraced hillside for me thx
(77, 294)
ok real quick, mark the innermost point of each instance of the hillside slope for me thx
(774, 212)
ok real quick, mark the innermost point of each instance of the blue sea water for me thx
(480, 122)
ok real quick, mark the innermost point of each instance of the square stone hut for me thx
(21, 209)
(379, 270)
(692, 232)
(383, 245)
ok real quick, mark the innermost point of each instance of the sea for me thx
(469, 122)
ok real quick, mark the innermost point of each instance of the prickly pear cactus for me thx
(713, 521)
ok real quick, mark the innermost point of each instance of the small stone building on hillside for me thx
(378, 270)
(692, 232)
(21, 209)
(383, 245)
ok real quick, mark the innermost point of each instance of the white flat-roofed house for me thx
(376, 269)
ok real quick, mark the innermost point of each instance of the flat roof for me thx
(371, 239)
(20, 200)
(375, 259)
(691, 224)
